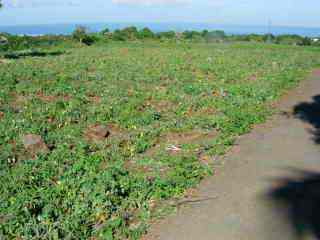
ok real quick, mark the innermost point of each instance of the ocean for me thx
(65, 29)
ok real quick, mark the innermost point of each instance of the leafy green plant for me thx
(127, 126)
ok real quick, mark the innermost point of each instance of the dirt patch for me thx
(46, 98)
(1, 115)
(4, 61)
(52, 98)
(124, 51)
(200, 112)
(172, 141)
(19, 102)
(316, 72)
(163, 105)
(94, 99)
(96, 133)
(205, 159)
(192, 137)
(253, 77)
(34, 144)
(117, 132)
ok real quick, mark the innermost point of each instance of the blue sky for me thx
(244, 12)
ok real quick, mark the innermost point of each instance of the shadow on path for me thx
(299, 198)
(300, 195)
(310, 112)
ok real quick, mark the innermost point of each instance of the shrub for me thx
(305, 42)
(105, 31)
(169, 35)
(146, 33)
(214, 36)
(118, 35)
(81, 34)
(289, 39)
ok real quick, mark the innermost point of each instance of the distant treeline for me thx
(83, 36)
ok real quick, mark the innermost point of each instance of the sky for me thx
(239, 12)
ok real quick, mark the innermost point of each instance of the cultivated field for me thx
(95, 141)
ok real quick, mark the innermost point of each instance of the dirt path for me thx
(241, 210)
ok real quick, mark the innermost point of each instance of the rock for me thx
(97, 133)
(3, 41)
(34, 144)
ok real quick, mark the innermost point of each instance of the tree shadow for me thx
(299, 198)
(34, 53)
(310, 112)
(300, 195)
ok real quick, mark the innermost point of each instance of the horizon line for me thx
(160, 22)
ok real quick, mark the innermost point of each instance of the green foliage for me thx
(146, 33)
(81, 34)
(215, 36)
(105, 31)
(131, 33)
(191, 35)
(305, 42)
(166, 35)
(16, 43)
(118, 35)
(255, 38)
(152, 98)
(289, 39)
(204, 33)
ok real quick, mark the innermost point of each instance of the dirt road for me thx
(242, 210)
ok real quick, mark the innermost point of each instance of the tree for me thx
(191, 34)
(118, 35)
(131, 33)
(105, 31)
(305, 42)
(168, 35)
(81, 34)
(204, 33)
(289, 39)
(146, 33)
(215, 36)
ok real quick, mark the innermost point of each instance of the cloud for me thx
(39, 3)
(151, 2)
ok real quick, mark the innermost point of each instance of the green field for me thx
(126, 127)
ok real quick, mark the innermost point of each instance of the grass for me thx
(168, 110)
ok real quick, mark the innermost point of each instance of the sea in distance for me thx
(67, 28)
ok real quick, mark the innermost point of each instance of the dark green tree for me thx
(131, 33)
(191, 34)
(204, 33)
(305, 42)
(168, 35)
(215, 36)
(105, 31)
(81, 34)
(146, 33)
(118, 35)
